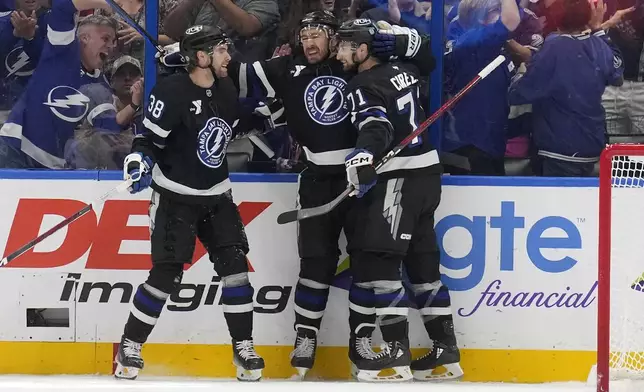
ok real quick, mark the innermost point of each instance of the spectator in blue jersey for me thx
(474, 134)
(564, 83)
(44, 118)
(21, 41)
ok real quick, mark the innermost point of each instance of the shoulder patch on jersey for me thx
(617, 62)
(324, 100)
(17, 63)
(212, 142)
(298, 68)
(67, 103)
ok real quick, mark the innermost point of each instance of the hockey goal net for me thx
(620, 327)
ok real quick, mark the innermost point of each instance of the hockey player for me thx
(311, 85)
(182, 156)
(393, 216)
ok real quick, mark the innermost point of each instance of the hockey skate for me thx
(249, 364)
(426, 367)
(367, 365)
(128, 359)
(303, 354)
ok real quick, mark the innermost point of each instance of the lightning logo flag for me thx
(392, 210)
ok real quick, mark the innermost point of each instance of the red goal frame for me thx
(604, 257)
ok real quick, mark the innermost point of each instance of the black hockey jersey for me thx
(187, 129)
(315, 105)
(385, 109)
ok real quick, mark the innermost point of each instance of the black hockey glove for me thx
(360, 171)
(273, 111)
(392, 42)
(138, 168)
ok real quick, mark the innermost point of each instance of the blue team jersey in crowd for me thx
(564, 83)
(18, 59)
(43, 120)
(480, 118)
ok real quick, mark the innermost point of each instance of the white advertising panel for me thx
(521, 263)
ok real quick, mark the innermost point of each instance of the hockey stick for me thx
(305, 213)
(120, 188)
(117, 8)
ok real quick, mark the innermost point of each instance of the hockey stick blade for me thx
(304, 213)
(23, 249)
(117, 8)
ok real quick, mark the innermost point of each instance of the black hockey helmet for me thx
(358, 31)
(324, 20)
(201, 38)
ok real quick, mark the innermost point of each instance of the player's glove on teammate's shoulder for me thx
(273, 111)
(138, 168)
(392, 41)
(360, 171)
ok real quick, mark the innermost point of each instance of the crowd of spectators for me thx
(549, 110)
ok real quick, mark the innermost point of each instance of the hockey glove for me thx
(138, 167)
(273, 111)
(392, 41)
(360, 171)
(171, 57)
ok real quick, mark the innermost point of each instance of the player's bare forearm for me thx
(244, 23)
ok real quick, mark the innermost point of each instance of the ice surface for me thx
(156, 384)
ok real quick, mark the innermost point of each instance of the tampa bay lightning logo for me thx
(67, 103)
(17, 63)
(212, 142)
(324, 99)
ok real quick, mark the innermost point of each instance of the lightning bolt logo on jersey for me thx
(324, 98)
(17, 63)
(391, 209)
(67, 103)
(212, 142)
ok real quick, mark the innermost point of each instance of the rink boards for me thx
(519, 254)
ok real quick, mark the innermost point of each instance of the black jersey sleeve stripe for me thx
(259, 71)
(157, 130)
(369, 119)
(243, 81)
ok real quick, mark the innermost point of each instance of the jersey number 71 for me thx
(405, 104)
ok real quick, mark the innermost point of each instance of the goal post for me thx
(620, 303)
